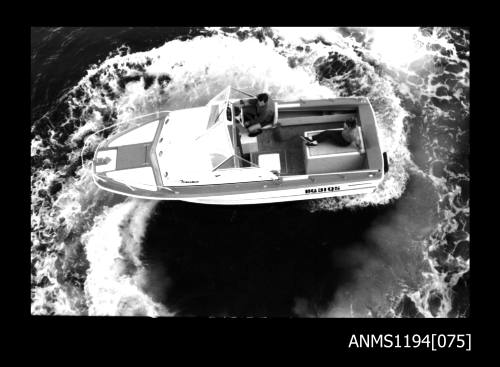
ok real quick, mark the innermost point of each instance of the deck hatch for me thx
(132, 156)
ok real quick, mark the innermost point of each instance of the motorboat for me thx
(205, 154)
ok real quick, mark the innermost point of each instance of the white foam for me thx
(248, 65)
(110, 291)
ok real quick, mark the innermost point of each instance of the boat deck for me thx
(286, 141)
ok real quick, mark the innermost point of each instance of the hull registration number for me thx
(322, 189)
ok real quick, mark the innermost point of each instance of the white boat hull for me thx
(274, 196)
(278, 196)
(203, 155)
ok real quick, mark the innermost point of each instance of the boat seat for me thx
(309, 120)
(248, 144)
(275, 121)
(329, 157)
(254, 130)
(257, 129)
(327, 147)
(270, 162)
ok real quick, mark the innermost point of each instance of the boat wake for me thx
(86, 243)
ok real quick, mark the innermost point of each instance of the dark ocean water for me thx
(400, 252)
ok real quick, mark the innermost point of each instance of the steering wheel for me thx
(239, 117)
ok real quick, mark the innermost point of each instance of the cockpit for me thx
(244, 139)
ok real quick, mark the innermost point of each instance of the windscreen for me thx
(221, 97)
(216, 144)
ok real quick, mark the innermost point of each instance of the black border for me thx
(252, 333)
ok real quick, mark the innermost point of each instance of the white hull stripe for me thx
(225, 201)
(257, 198)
